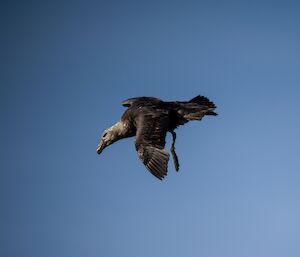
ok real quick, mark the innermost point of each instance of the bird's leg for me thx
(174, 155)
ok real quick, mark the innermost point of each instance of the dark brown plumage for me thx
(149, 119)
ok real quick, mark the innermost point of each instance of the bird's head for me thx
(108, 137)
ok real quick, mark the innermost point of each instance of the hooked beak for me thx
(101, 146)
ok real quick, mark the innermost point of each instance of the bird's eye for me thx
(104, 135)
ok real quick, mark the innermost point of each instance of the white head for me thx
(109, 136)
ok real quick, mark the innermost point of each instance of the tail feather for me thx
(197, 108)
(202, 100)
(211, 113)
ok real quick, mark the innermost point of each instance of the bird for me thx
(149, 119)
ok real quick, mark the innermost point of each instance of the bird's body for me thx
(149, 119)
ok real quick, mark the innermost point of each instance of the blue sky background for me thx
(65, 68)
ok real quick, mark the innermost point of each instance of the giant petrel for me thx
(149, 119)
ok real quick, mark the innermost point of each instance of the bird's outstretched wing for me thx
(152, 124)
(144, 100)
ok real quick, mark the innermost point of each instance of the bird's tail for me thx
(196, 108)
(204, 101)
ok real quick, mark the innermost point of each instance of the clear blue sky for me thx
(65, 68)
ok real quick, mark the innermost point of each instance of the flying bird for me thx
(149, 119)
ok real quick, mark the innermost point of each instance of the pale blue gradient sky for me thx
(65, 68)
